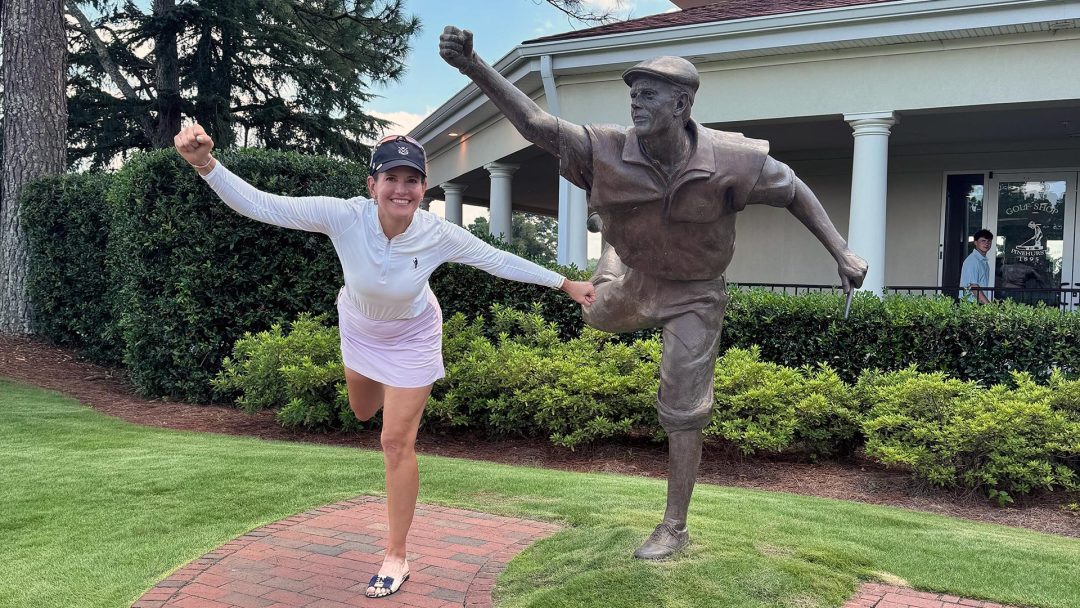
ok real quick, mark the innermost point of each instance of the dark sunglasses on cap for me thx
(395, 138)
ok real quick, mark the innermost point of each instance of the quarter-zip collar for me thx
(377, 229)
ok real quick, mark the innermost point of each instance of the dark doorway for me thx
(964, 196)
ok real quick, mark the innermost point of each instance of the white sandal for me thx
(389, 583)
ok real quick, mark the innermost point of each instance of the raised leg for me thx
(365, 394)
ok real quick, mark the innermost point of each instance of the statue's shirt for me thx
(679, 226)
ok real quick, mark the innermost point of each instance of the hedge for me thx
(964, 340)
(66, 222)
(1005, 440)
(184, 277)
(192, 275)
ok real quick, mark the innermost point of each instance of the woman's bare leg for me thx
(401, 419)
(365, 395)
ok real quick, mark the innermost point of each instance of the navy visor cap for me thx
(398, 151)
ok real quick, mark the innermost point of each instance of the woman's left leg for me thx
(402, 409)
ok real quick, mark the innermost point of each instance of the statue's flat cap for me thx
(675, 70)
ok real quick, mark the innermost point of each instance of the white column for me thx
(452, 197)
(869, 182)
(499, 203)
(562, 249)
(578, 253)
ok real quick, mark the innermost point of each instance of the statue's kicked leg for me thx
(609, 268)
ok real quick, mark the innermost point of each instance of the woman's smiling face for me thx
(398, 192)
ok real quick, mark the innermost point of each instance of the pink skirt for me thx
(404, 353)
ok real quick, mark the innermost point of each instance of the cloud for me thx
(403, 121)
(548, 27)
(610, 5)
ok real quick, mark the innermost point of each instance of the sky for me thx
(497, 26)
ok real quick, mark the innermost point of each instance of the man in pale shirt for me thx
(975, 274)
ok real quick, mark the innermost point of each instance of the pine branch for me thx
(107, 63)
(576, 9)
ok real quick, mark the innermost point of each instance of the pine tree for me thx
(292, 74)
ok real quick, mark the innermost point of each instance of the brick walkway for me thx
(873, 595)
(324, 558)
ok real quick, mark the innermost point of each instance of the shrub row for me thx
(967, 341)
(165, 278)
(1004, 440)
(964, 340)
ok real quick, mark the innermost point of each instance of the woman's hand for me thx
(195, 145)
(582, 292)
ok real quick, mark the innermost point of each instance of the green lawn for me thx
(94, 511)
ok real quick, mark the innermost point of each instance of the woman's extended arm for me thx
(323, 214)
(461, 246)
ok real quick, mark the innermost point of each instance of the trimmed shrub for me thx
(527, 381)
(765, 407)
(66, 221)
(965, 340)
(1002, 441)
(296, 371)
(192, 275)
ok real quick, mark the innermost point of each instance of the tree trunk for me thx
(167, 75)
(35, 134)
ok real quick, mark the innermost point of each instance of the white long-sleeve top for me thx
(384, 278)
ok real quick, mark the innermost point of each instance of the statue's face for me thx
(655, 106)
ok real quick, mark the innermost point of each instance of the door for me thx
(964, 215)
(1033, 218)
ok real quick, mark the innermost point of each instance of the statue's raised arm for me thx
(534, 124)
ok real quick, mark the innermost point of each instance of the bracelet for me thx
(203, 166)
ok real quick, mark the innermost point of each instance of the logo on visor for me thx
(402, 150)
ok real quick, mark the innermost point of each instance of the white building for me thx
(916, 122)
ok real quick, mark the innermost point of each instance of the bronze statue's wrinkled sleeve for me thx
(575, 154)
(775, 185)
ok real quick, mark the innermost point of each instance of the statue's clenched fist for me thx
(456, 47)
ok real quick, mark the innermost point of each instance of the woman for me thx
(390, 321)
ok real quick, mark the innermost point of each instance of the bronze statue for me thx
(666, 192)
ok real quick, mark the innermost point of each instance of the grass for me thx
(94, 511)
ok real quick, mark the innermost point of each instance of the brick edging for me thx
(879, 595)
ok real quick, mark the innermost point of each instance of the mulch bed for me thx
(36, 363)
